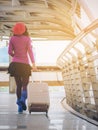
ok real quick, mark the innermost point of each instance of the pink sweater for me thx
(20, 48)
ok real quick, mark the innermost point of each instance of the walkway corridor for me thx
(59, 118)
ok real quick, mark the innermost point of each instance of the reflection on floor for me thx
(59, 118)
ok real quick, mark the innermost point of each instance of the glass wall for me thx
(46, 52)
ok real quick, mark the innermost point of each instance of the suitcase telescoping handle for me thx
(36, 76)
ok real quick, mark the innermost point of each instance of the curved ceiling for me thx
(50, 19)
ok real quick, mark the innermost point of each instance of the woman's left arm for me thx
(30, 51)
(10, 49)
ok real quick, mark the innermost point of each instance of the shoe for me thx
(24, 107)
(23, 99)
(20, 109)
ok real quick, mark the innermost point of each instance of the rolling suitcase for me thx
(38, 97)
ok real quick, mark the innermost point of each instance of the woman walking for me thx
(20, 50)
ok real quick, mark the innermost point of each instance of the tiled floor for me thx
(59, 118)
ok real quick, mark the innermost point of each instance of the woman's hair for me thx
(26, 32)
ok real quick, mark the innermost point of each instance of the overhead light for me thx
(15, 3)
(46, 4)
(39, 39)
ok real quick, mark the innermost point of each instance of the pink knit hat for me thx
(19, 28)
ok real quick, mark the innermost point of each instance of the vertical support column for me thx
(89, 83)
(67, 84)
(73, 86)
(95, 78)
(12, 84)
(84, 81)
(78, 86)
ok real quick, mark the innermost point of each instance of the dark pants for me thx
(21, 83)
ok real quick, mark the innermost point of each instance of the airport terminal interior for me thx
(64, 36)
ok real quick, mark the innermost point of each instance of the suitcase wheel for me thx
(29, 112)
